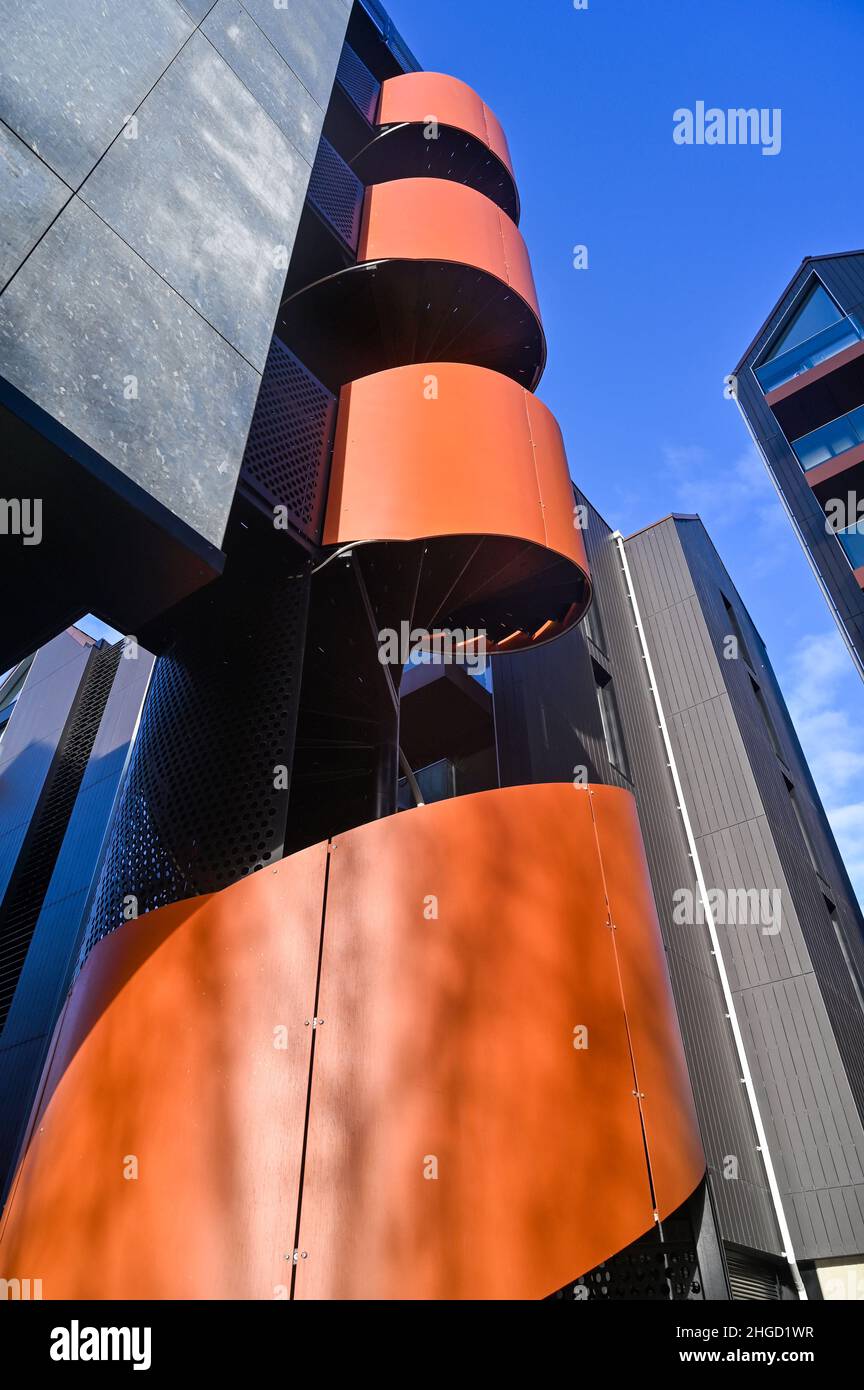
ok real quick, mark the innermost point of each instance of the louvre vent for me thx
(358, 82)
(337, 194)
(287, 456)
(751, 1278)
(35, 865)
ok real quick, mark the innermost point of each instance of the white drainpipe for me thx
(746, 1076)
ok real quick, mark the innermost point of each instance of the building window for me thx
(736, 631)
(592, 625)
(817, 331)
(851, 966)
(805, 833)
(610, 720)
(766, 718)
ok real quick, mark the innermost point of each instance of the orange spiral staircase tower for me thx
(434, 1056)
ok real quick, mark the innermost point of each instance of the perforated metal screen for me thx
(206, 796)
(290, 441)
(336, 192)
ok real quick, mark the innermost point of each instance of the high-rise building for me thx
(385, 972)
(800, 388)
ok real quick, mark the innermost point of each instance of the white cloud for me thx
(823, 692)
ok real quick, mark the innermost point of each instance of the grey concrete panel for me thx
(309, 37)
(207, 192)
(70, 74)
(271, 81)
(82, 317)
(30, 196)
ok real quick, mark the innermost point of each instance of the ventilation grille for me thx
(203, 804)
(337, 194)
(360, 84)
(752, 1279)
(26, 893)
(287, 458)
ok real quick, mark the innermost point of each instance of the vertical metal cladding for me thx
(461, 1143)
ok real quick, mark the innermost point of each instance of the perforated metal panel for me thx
(360, 84)
(206, 798)
(336, 192)
(290, 442)
(659, 1267)
(29, 884)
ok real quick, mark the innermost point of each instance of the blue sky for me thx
(688, 248)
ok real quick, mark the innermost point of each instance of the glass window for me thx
(593, 625)
(805, 833)
(818, 311)
(817, 331)
(610, 719)
(736, 632)
(766, 718)
(831, 440)
(854, 974)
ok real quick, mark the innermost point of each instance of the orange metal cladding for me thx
(464, 943)
(671, 1126)
(485, 458)
(419, 96)
(167, 1051)
(433, 220)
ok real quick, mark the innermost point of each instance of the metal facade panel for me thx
(448, 1039)
(308, 37)
(211, 1105)
(55, 55)
(207, 224)
(271, 81)
(181, 438)
(31, 196)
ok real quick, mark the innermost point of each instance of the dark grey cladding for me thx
(309, 38)
(248, 51)
(82, 317)
(140, 323)
(209, 192)
(71, 74)
(31, 197)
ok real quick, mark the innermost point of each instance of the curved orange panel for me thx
(478, 457)
(415, 96)
(459, 1145)
(433, 220)
(167, 1054)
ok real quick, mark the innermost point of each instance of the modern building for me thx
(68, 715)
(398, 977)
(800, 388)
